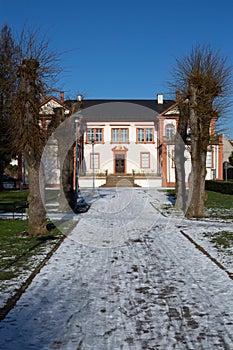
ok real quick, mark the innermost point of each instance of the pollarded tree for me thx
(38, 67)
(30, 140)
(203, 79)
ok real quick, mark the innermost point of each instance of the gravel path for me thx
(126, 278)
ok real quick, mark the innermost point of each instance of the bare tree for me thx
(30, 140)
(203, 79)
(36, 73)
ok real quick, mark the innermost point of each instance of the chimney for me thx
(43, 97)
(160, 99)
(79, 97)
(62, 96)
(177, 96)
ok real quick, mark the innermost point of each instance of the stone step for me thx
(120, 181)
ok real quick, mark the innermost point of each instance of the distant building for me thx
(227, 148)
(125, 137)
(227, 151)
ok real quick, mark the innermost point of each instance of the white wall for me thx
(132, 155)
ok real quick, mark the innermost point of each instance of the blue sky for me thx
(126, 48)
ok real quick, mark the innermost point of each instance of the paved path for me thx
(126, 278)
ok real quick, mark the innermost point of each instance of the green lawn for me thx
(20, 253)
(219, 200)
(214, 200)
(13, 201)
(218, 205)
(221, 239)
(17, 247)
(13, 196)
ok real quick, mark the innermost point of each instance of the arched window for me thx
(169, 131)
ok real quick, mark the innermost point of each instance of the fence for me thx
(12, 208)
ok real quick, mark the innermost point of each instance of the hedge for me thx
(225, 187)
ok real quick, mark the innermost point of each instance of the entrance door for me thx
(120, 163)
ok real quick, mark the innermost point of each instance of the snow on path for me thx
(126, 278)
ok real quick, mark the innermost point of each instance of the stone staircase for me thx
(120, 181)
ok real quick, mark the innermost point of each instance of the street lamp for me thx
(77, 120)
(93, 163)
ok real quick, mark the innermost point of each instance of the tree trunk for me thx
(197, 195)
(180, 159)
(31, 141)
(36, 211)
(180, 174)
(67, 196)
(63, 133)
(199, 143)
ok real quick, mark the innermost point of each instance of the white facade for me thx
(134, 156)
(128, 139)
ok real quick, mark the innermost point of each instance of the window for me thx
(94, 161)
(169, 131)
(172, 156)
(95, 134)
(209, 159)
(145, 160)
(145, 135)
(90, 135)
(120, 135)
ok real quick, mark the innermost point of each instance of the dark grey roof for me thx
(121, 110)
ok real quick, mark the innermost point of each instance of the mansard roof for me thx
(122, 110)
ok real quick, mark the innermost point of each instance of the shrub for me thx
(219, 186)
